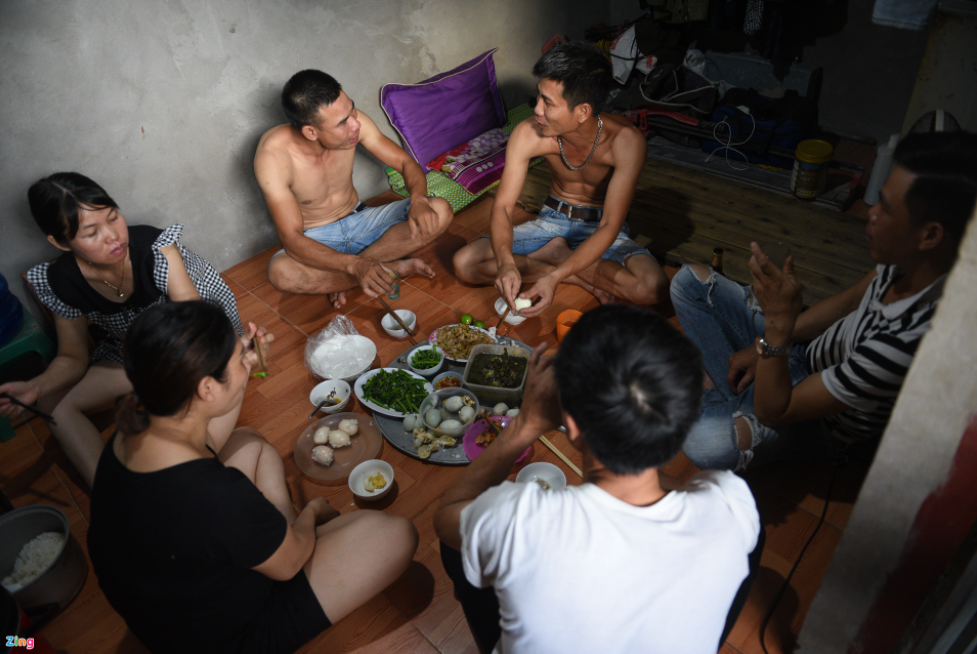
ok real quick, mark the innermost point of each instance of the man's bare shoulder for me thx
(527, 139)
(278, 139)
(622, 130)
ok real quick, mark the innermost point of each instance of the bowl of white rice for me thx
(345, 356)
(40, 561)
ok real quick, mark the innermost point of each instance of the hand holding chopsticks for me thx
(257, 340)
(14, 400)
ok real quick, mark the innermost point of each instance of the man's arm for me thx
(777, 401)
(539, 415)
(521, 148)
(810, 324)
(813, 322)
(628, 151)
(423, 220)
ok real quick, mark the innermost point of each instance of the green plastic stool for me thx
(30, 338)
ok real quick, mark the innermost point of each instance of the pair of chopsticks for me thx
(261, 358)
(410, 334)
(29, 408)
(560, 454)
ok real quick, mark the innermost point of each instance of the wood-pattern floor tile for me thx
(254, 310)
(374, 628)
(806, 485)
(254, 272)
(788, 529)
(425, 595)
(308, 313)
(236, 288)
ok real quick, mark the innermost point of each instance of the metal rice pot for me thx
(54, 588)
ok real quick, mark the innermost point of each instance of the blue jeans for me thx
(721, 318)
(531, 236)
(359, 230)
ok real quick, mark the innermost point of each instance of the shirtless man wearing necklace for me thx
(580, 236)
(331, 241)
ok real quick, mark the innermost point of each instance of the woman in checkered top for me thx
(107, 275)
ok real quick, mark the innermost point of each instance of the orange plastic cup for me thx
(565, 321)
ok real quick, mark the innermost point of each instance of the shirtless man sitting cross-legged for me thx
(332, 241)
(580, 236)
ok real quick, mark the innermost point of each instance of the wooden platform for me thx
(418, 613)
(681, 214)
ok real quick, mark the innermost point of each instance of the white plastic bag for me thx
(339, 351)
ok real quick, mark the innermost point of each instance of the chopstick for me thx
(29, 408)
(410, 334)
(261, 358)
(504, 316)
(560, 454)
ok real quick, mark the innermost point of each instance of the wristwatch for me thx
(767, 350)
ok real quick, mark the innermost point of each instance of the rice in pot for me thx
(34, 558)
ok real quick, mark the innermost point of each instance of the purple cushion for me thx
(446, 110)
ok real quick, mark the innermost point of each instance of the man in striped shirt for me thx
(787, 384)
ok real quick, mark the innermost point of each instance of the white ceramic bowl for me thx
(357, 479)
(426, 372)
(393, 328)
(545, 471)
(512, 319)
(437, 378)
(342, 357)
(322, 391)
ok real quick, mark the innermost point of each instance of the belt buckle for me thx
(570, 215)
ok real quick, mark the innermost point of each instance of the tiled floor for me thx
(418, 613)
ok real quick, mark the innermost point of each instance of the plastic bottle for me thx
(717, 261)
(880, 171)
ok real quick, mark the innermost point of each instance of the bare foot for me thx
(603, 296)
(338, 299)
(408, 267)
(554, 252)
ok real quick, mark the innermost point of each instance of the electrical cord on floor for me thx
(783, 588)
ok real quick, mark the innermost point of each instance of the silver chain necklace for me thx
(600, 126)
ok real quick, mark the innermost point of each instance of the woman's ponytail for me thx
(131, 417)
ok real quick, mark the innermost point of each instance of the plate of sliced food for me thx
(457, 341)
(393, 392)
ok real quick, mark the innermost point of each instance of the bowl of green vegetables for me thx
(426, 360)
(393, 392)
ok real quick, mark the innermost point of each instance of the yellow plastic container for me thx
(810, 168)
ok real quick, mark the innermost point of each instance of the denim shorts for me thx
(531, 236)
(357, 231)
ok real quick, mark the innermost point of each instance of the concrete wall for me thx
(163, 102)
(869, 73)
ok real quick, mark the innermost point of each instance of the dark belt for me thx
(574, 211)
(358, 208)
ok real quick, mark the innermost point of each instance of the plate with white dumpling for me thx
(329, 448)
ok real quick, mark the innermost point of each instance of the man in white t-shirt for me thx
(623, 562)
